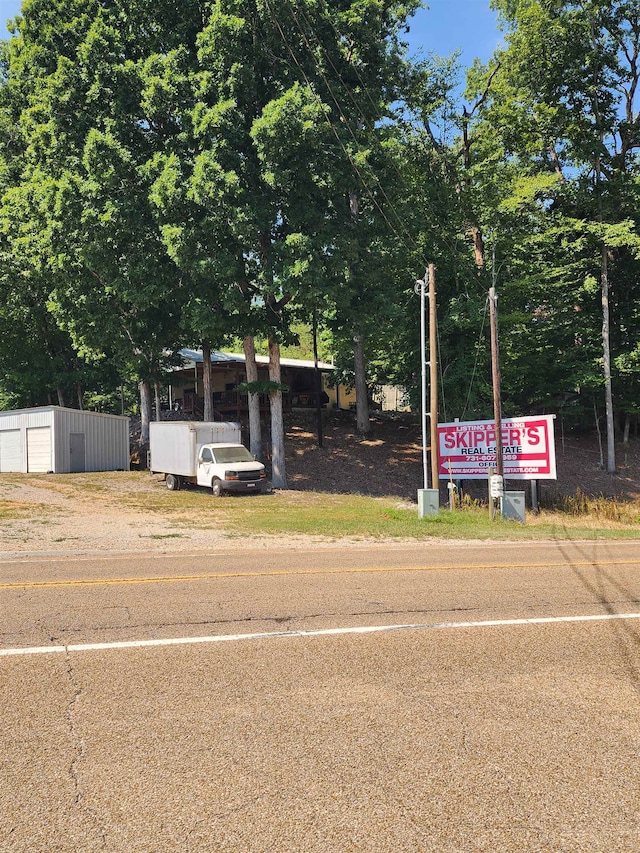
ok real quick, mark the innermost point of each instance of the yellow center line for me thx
(132, 581)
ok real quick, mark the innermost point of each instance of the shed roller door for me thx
(39, 449)
(10, 451)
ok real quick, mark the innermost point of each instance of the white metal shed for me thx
(63, 441)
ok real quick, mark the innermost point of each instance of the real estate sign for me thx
(466, 451)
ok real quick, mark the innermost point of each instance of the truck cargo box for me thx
(174, 445)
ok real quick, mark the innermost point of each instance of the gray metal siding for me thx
(23, 420)
(106, 439)
(106, 436)
(10, 453)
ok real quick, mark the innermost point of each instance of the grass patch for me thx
(163, 536)
(600, 508)
(337, 516)
(10, 510)
(315, 514)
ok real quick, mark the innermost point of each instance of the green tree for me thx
(454, 176)
(39, 362)
(74, 69)
(569, 110)
(274, 154)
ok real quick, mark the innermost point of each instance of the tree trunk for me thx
(206, 381)
(604, 260)
(478, 246)
(255, 427)
(60, 393)
(363, 424)
(606, 359)
(598, 433)
(79, 393)
(473, 228)
(362, 396)
(278, 468)
(156, 389)
(145, 411)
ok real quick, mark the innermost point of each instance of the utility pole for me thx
(421, 291)
(433, 376)
(428, 499)
(495, 368)
(317, 382)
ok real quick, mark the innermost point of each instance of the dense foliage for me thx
(190, 178)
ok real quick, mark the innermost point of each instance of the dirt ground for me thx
(389, 461)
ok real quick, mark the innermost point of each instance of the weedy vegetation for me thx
(323, 515)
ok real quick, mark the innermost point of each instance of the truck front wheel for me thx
(173, 482)
(216, 487)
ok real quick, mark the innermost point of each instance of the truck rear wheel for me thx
(173, 482)
(216, 487)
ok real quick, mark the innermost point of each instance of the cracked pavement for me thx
(510, 738)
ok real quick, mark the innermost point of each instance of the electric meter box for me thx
(513, 506)
(428, 502)
(496, 486)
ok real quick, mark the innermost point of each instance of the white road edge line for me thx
(320, 632)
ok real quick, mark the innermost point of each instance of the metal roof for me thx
(53, 408)
(193, 356)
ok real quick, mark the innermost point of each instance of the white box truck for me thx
(205, 453)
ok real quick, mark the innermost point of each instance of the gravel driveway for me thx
(43, 515)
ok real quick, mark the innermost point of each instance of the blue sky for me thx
(447, 25)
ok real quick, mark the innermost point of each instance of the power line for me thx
(404, 235)
(351, 97)
(441, 375)
(335, 70)
(354, 165)
(475, 366)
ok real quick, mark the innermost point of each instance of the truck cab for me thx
(229, 468)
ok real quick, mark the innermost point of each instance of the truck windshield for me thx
(232, 454)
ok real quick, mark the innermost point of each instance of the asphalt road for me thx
(425, 698)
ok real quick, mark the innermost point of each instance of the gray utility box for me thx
(513, 506)
(428, 502)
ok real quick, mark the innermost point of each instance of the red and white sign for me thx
(467, 450)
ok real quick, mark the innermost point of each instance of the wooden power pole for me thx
(495, 376)
(317, 381)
